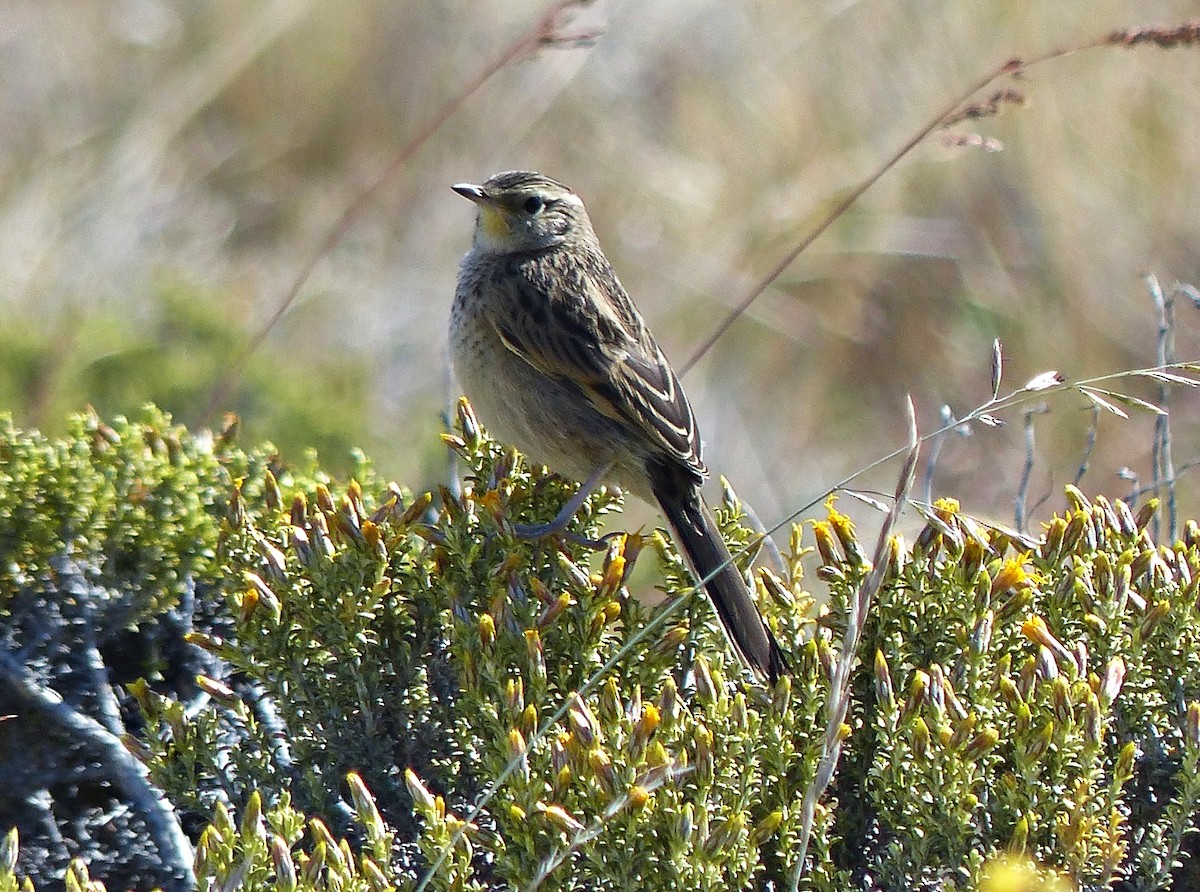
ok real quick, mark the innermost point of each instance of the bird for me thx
(557, 361)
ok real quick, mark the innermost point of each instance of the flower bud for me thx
(767, 827)
(953, 705)
(1153, 617)
(704, 751)
(963, 730)
(325, 499)
(706, 691)
(668, 702)
(737, 712)
(657, 755)
(610, 699)
(374, 876)
(285, 867)
(1027, 678)
(781, 695)
(687, 823)
(672, 639)
(724, 833)
(1036, 630)
(514, 694)
(918, 688)
(583, 722)
(1081, 659)
(1123, 773)
(487, 629)
(560, 818)
(1060, 700)
(1053, 540)
(602, 769)
(1126, 522)
(321, 835)
(639, 796)
(528, 720)
(1009, 691)
(535, 654)
(218, 690)
(981, 636)
(647, 722)
(775, 588)
(1020, 838)
(920, 738)
(843, 528)
(423, 800)
(299, 512)
(252, 819)
(824, 537)
(1047, 667)
(884, 692)
(826, 657)
(1191, 725)
(1114, 678)
(554, 610)
(981, 744)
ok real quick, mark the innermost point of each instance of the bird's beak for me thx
(471, 191)
(494, 223)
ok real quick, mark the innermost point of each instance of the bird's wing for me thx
(579, 325)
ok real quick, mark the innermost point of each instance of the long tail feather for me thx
(697, 533)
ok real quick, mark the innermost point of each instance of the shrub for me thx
(379, 688)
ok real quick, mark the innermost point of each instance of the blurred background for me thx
(168, 168)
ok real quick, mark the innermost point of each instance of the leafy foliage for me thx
(396, 689)
(442, 656)
(1008, 734)
(105, 535)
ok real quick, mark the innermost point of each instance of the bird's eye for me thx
(534, 204)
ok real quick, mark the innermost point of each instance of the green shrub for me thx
(1036, 698)
(307, 394)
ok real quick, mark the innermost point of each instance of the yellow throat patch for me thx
(494, 224)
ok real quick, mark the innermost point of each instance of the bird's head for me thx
(524, 211)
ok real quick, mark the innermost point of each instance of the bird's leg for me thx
(564, 517)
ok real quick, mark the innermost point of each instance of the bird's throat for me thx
(494, 228)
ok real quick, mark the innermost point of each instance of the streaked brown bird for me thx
(558, 362)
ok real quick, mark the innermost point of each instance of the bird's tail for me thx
(697, 533)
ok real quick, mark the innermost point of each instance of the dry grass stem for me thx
(839, 692)
(546, 32)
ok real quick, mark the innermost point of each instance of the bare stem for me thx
(838, 704)
(1162, 466)
(956, 109)
(542, 33)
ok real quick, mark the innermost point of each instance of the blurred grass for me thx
(183, 338)
(214, 144)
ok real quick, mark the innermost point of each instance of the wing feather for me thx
(575, 322)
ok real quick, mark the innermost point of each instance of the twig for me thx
(1161, 467)
(1088, 446)
(648, 782)
(949, 423)
(839, 690)
(127, 774)
(543, 33)
(1138, 491)
(956, 110)
(1020, 515)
